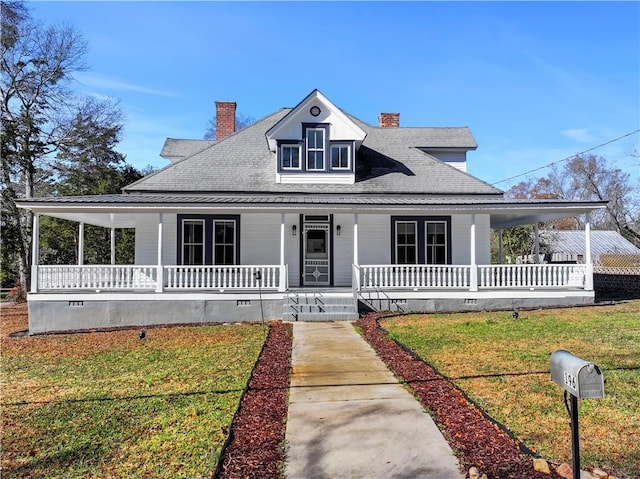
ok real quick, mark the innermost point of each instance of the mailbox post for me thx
(582, 380)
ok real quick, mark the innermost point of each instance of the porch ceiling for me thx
(106, 220)
(515, 215)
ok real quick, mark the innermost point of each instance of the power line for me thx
(567, 158)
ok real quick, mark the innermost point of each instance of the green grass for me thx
(111, 405)
(504, 366)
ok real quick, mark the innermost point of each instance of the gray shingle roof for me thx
(388, 162)
(176, 148)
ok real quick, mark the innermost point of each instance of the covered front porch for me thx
(81, 296)
(366, 278)
(72, 297)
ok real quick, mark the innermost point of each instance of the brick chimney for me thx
(389, 120)
(225, 119)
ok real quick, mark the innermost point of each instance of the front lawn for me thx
(503, 365)
(111, 405)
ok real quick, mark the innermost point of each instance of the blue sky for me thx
(536, 82)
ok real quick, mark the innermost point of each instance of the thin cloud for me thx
(578, 134)
(98, 81)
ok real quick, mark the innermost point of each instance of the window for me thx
(315, 149)
(224, 246)
(315, 152)
(208, 239)
(340, 156)
(290, 157)
(406, 242)
(193, 242)
(421, 239)
(436, 242)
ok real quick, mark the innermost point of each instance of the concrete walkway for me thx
(350, 418)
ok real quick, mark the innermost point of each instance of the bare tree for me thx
(38, 109)
(242, 121)
(589, 178)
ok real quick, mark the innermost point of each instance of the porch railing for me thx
(145, 277)
(224, 277)
(532, 275)
(103, 277)
(413, 276)
(376, 277)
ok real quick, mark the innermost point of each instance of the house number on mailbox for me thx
(570, 380)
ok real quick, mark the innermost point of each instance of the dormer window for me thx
(315, 143)
(315, 149)
(340, 157)
(290, 156)
(316, 152)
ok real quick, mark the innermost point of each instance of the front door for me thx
(316, 253)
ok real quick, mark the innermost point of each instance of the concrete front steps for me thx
(319, 305)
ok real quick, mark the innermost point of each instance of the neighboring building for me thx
(309, 213)
(569, 247)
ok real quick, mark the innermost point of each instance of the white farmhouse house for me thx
(307, 214)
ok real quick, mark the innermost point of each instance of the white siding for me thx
(483, 242)
(341, 128)
(169, 238)
(260, 238)
(342, 249)
(292, 248)
(260, 241)
(312, 178)
(374, 237)
(147, 238)
(461, 239)
(457, 159)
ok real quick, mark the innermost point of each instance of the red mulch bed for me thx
(255, 446)
(480, 441)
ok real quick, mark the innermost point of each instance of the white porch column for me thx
(160, 271)
(113, 242)
(283, 270)
(35, 252)
(588, 284)
(356, 254)
(81, 244)
(536, 245)
(113, 246)
(500, 254)
(473, 280)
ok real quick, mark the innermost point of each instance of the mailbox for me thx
(579, 377)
